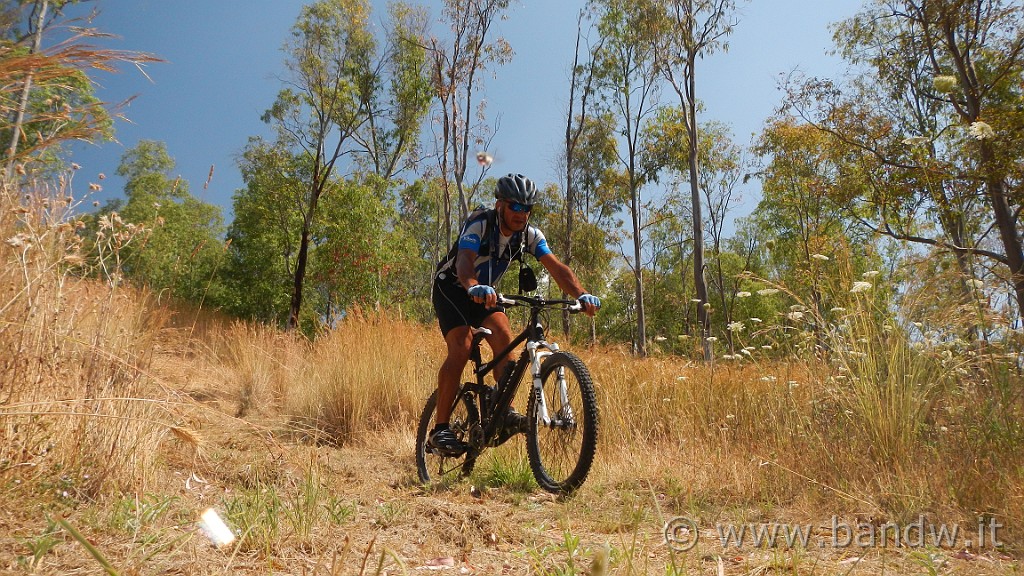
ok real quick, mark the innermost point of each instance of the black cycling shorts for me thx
(454, 307)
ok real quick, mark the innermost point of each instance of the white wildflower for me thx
(660, 338)
(766, 347)
(695, 300)
(838, 310)
(743, 294)
(745, 351)
(869, 274)
(711, 339)
(944, 84)
(19, 241)
(821, 257)
(860, 287)
(768, 378)
(756, 320)
(735, 326)
(795, 316)
(681, 378)
(981, 131)
(976, 284)
(767, 292)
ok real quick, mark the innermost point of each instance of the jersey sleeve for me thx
(537, 244)
(472, 236)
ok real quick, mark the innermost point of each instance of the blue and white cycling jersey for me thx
(494, 251)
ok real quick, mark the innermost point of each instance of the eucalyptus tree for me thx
(325, 102)
(349, 110)
(399, 97)
(800, 213)
(934, 127)
(580, 111)
(263, 238)
(628, 84)
(690, 30)
(458, 64)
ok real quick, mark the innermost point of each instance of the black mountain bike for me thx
(562, 415)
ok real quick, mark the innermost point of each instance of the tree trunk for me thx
(1006, 224)
(699, 282)
(303, 257)
(641, 315)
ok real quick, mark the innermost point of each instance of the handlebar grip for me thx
(577, 307)
(505, 301)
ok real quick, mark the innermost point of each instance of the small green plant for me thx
(389, 512)
(255, 512)
(92, 550)
(511, 471)
(559, 559)
(131, 514)
(39, 546)
(303, 508)
(339, 511)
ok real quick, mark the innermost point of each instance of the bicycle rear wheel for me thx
(434, 468)
(561, 451)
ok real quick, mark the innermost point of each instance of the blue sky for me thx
(224, 62)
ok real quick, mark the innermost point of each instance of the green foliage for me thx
(263, 237)
(180, 248)
(357, 253)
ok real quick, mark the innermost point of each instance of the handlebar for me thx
(573, 306)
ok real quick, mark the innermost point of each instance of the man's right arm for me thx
(464, 267)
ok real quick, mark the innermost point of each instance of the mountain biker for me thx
(464, 295)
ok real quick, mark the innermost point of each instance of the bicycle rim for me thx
(435, 469)
(561, 452)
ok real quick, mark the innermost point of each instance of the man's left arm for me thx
(566, 279)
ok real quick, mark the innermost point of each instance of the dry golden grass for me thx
(128, 417)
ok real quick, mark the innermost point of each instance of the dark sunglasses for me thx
(517, 207)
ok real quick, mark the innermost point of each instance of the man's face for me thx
(516, 215)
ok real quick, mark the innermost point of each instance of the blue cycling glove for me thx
(481, 291)
(590, 299)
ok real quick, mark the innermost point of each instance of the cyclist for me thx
(464, 295)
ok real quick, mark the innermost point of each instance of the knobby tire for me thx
(561, 455)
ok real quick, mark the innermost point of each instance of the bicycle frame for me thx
(537, 348)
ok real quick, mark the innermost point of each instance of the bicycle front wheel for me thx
(435, 468)
(562, 435)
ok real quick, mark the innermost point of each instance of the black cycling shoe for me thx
(444, 442)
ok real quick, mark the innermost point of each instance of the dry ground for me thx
(374, 518)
